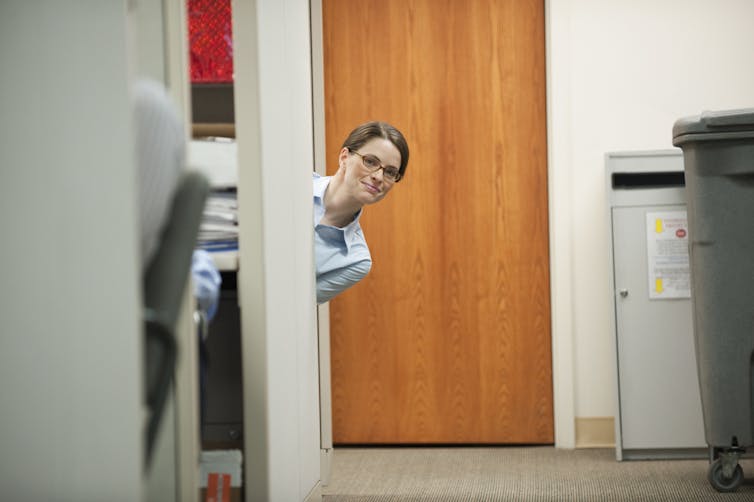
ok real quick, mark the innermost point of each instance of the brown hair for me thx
(370, 130)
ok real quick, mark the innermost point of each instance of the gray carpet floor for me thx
(524, 474)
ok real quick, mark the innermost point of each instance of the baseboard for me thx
(325, 465)
(595, 432)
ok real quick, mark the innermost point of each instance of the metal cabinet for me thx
(659, 412)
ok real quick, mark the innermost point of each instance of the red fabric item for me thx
(218, 487)
(210, 41)
(226, 487)
(212, 487)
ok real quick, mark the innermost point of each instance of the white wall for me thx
(620, 72)
(70, 339)
(274, 130)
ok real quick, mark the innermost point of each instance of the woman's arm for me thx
(334, 282)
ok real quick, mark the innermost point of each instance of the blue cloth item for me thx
(341, 255)
(206, 280)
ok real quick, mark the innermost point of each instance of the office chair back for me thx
(165, 280)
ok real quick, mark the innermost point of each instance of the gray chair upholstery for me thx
(165, 280)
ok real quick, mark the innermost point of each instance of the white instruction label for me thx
(668, 255)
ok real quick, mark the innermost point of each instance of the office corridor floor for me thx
(527, 474)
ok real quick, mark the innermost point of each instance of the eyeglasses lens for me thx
(373, 163)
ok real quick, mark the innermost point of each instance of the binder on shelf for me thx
(219, 228)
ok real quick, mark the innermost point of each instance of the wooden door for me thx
(447, 340)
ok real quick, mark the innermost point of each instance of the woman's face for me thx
(365, 186)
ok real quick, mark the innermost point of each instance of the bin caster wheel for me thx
(721, 483)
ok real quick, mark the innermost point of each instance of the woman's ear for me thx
(344, 152)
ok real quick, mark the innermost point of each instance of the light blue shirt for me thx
(207, 281)
(341, 255)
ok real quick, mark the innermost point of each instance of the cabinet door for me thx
(660, 407)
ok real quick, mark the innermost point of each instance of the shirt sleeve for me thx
(336, 281)
(207, 281)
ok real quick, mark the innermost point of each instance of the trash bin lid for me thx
(724, 124)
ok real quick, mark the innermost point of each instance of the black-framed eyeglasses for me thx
(372, 163)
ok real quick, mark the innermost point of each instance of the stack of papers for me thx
(219, 228)
(217, 158)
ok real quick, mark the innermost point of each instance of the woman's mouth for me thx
(371, 188)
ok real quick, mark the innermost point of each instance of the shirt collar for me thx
(350, 231)
(320, 185)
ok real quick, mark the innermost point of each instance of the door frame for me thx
(560, 233)
(557, 69)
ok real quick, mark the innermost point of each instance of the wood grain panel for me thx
(447, 340)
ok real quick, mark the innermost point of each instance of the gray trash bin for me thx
(718, 153)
